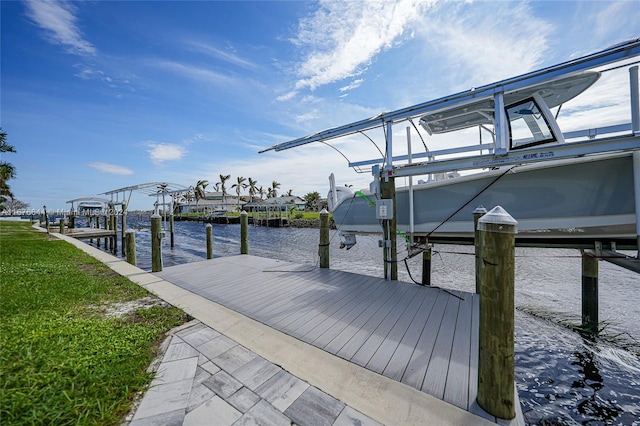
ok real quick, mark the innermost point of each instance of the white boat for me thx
(561, 191)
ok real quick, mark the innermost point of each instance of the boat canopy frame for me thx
(500, 151)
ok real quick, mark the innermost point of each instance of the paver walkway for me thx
(205, 378)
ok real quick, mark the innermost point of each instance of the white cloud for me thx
(353, 85)
(111, 168)
(486, 47)
(161, 152)
(343, 37)
(221, 54)
(196, 73)
(60, 23)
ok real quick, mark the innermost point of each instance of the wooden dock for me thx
(86, 233)
(424, 337)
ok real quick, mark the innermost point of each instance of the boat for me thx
(571, 189)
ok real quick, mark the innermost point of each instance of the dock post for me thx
(46, 219)
(72, 219)
(388, 191)
(107, 226)
(124, 228)
(426, 264)
(477, 214)
(130, 237)
(171, 229)
(496, 368)
(244, 232)
(323, 248)
(589, 293)
(209, 241)
(62, 225)
(156, 243)
(114, 227)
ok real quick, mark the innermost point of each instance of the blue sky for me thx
(97, 96)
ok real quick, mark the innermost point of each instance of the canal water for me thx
(562, 377)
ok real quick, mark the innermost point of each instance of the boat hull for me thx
(579, 200)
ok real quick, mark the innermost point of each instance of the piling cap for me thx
(498, 216)
(480, 209)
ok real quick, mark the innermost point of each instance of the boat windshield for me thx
(528, 125)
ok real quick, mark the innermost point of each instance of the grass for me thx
(62, 361)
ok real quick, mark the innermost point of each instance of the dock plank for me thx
(436, 374)
(457, 380)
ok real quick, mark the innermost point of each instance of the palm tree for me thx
(239, 187)
(252, 189)
(223, 180)
(262, 193)
(312, 200)
(274, 189)
(199, 191)
(7, 170)
(290, 193)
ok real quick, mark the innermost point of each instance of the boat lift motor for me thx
(347, 240)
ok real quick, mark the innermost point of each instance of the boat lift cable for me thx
(418, 132)
(472, 198)
(374, 144)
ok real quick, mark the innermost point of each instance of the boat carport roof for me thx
(151, 188)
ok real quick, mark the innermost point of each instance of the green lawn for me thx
(62, 360)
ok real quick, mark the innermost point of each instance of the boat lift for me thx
(624, 137)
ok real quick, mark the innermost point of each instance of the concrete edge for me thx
(376, 396)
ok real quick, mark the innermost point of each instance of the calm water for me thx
(561, 376)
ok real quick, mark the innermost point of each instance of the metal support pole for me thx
(496, 367)
(589, 293)
(323, 248)
(636, 188)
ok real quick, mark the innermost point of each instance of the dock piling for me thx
(589, 293)
(323, 247)
(496, 366)
(244, 232)
(62, 225)
(124, 228)
(426, 264)
(209, 241)
(156, 243)
(171, 229)
(130, 237)
(388, 192)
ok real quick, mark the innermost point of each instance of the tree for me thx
(239, 187)
(262, 193)
(199, 191)
(253, 189)
(13, 205)
(290, 193)
(312, 199)
(7, 171)
(273, 190)
(223, 180)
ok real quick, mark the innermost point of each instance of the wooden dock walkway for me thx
(87, 233)
(424, 337)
